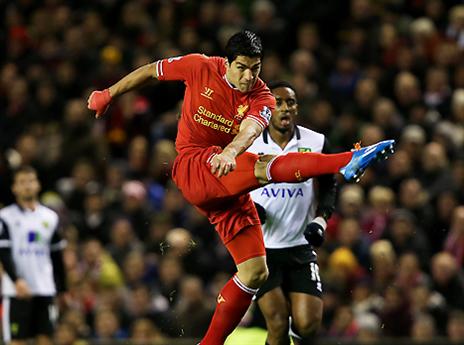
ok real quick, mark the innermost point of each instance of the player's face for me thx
(26, 186)
(283, 117)
(243, 72)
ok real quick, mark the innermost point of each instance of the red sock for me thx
(300, 166)
(232, 303)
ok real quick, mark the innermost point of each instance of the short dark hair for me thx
(24, 169)
(275, 84)
(244, 43)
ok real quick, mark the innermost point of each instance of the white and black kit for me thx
(31, 249)
(289, 208)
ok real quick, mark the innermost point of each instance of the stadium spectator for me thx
(423, 328)
(396, 313)
(454, 242)
(144, 331)
(107, 326)
(368, 328)
(98, 266)
(383, 258)
(122, 241)
(350, 236)
(448, 279)
(193, 309)
(455, 329)
(66, 334)
(406, 236)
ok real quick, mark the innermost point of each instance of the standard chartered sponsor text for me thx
(224, 124)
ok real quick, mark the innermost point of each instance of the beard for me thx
(28, 197)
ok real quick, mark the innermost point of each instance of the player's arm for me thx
(56, 253)
(327, 191)
(134, 79)
(174, 68)
(6, 258)
(5, 251)
(249, 131)
(100, 100)
(225, 161)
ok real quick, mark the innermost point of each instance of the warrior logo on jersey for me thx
(242, 108)
(208, 93)
(304, 149)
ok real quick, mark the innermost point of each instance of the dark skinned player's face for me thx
(283, 117)
(243, 72)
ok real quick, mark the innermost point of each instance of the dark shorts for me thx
(292, 269)
(27, 318)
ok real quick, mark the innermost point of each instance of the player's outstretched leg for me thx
(253, 172)
(297, 167)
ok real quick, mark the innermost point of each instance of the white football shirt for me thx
(289, 206)
(31, 235)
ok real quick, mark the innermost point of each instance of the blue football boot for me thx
(365, 156)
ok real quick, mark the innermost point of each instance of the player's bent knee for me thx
(258, 276)
(253, 274)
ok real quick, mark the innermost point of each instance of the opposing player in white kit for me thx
(293, 216)
(31, 255)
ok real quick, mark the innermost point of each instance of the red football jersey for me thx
(213, 109)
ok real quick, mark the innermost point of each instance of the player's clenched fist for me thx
(99, 101)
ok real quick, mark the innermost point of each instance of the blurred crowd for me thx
(143, 264)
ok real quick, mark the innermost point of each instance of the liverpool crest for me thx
(241, 110)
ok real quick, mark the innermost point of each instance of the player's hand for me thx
(22, 289)
(222, 164)
(315, 231)
(99, 101)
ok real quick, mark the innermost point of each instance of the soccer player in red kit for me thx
(226, 107)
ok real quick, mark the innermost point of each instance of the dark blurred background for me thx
(143, 264)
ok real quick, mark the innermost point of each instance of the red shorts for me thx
(226, 209)
(247, 244)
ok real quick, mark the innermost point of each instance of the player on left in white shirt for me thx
(31, 255)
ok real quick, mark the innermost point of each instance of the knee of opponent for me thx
(308, 325)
